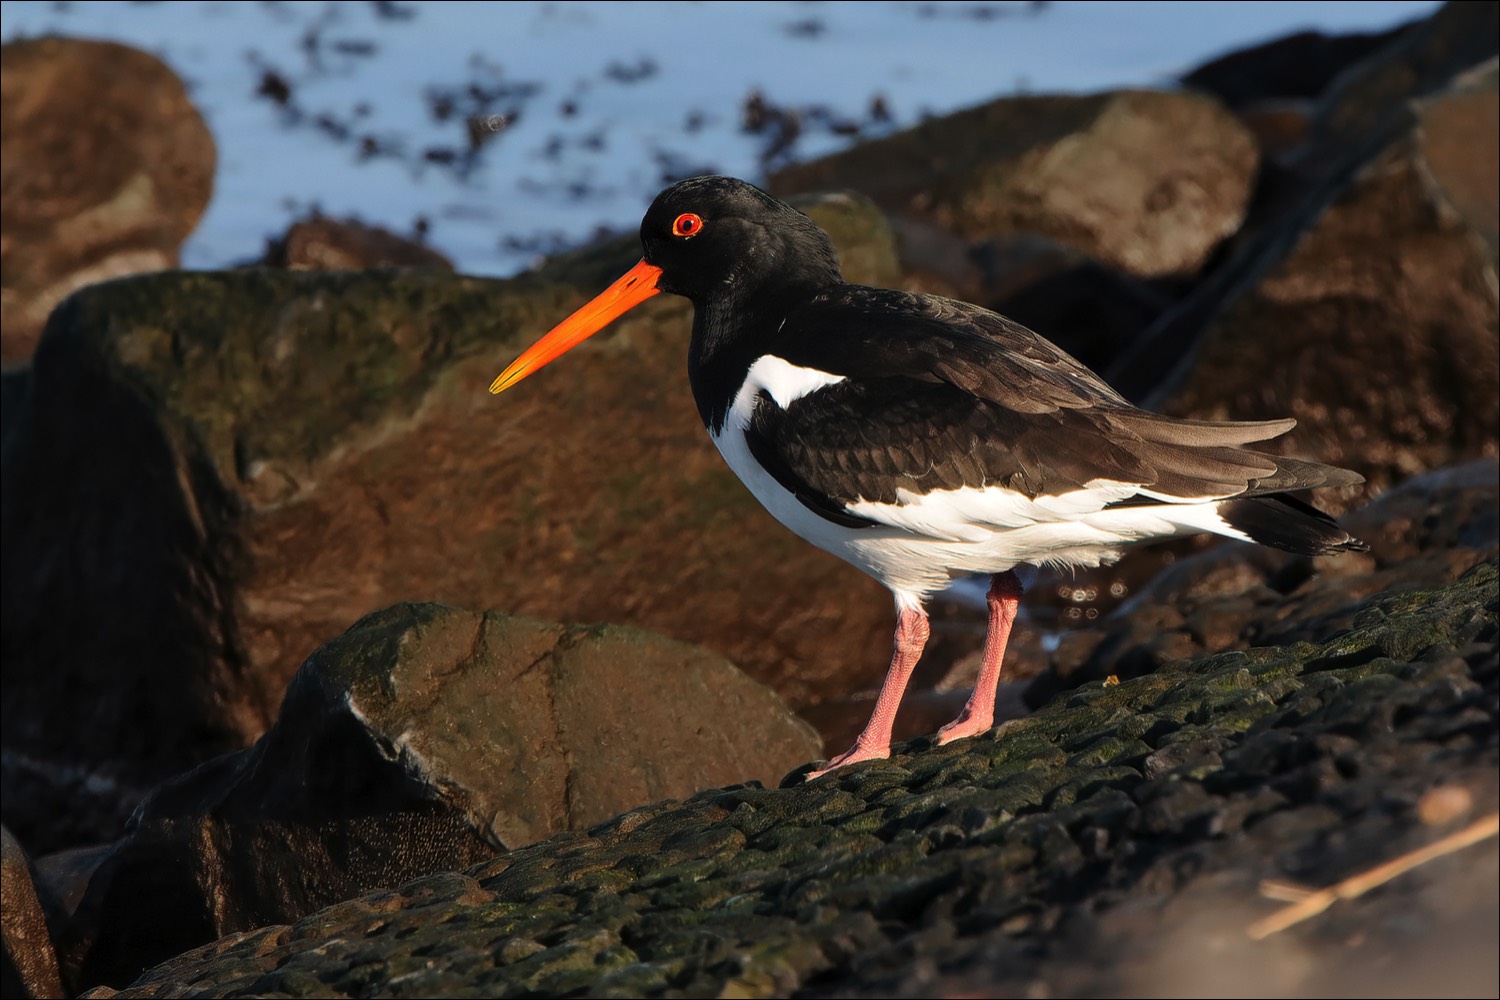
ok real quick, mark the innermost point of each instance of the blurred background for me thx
(510, 131)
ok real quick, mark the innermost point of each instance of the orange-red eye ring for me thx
(687, 224)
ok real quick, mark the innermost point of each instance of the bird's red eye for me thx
(687, 224)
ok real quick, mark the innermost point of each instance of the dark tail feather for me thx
(1282, 521)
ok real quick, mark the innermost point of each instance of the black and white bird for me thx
(921, 438)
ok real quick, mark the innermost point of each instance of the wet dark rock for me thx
(1090, 310)
(322, 244)
(1146, 182)
(422, 740)
(29, 964)
(107, 168)
(1367, 103)
(1078, 867)
(218, 471)
(1299, 65)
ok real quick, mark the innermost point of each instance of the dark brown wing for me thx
(939, 394)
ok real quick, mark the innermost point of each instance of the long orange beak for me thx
(633, 287)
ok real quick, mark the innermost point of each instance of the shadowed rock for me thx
(1369, 100)
(30, 965)
(1334, 246)
(323, 244)
(423, 739)
(1300, 65)
(107, 167)
(1378, 331)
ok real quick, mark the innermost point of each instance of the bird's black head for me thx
(732, 249)
(718, 237)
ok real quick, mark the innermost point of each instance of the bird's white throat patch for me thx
(783, 381)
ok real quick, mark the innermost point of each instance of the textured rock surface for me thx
(1148, 182)
(29, 966)
(423, 739)
(1367, 102)
(107, 167)
(220, 471)
(1379, 330)
(1116, 837)
(1378, 108)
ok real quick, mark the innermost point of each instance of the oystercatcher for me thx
(922, 438)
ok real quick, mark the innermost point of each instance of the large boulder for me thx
(422, 740)
(1149, 182)
(106, 168)
(207, 475)
(319, 243)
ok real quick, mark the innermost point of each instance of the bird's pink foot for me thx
(853, 755)
(964, 726)
(978, 715)
(912, 630)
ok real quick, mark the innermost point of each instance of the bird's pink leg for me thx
(979, 713)
(912, 630)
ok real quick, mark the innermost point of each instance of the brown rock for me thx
(321, 244)
(1281, 127)
(1378, 331)
(30, 965)
(424, 739)
(1369, 109)
(106, 168)
(1147, 182)
(218, 471)
(1367, 103)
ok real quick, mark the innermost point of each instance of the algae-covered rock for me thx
(423, 739)
(1116, 836)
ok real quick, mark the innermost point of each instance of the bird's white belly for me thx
(920, 543)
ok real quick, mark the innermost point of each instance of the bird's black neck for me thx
(730, 332)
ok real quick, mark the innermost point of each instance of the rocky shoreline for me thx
(1101, 845)
(285, 712)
